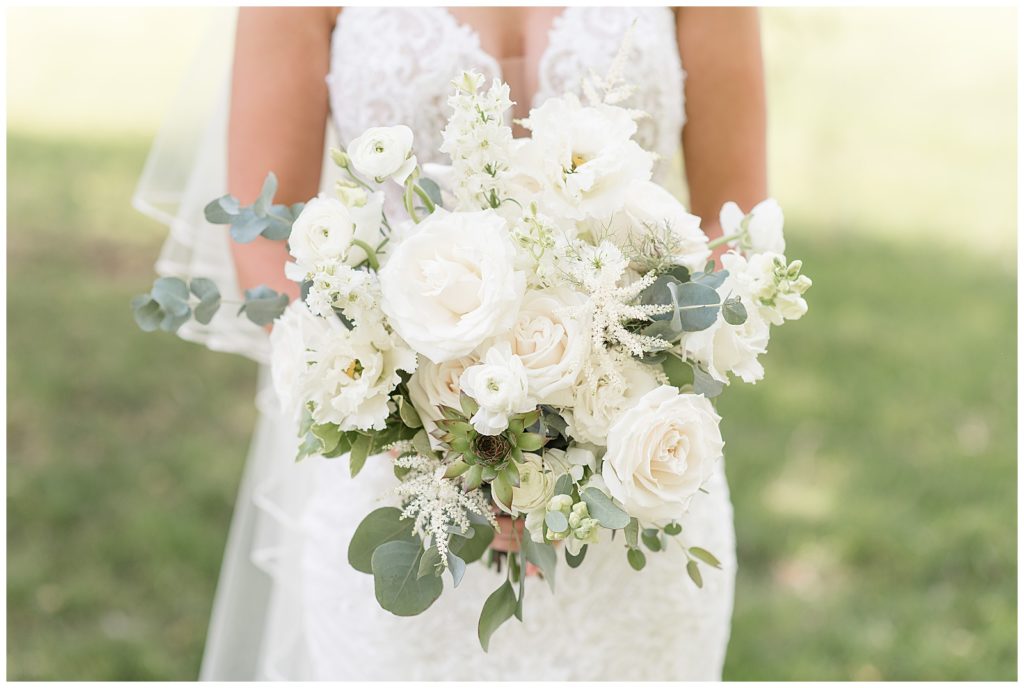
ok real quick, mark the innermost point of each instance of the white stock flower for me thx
(584, 155)
(660, 452)
(452, 283)
(601, 395)
(324, 231)
(650, 212)
(383, 152)
(775, 287)
(435, 384)
(352, 373)
(763, 227)
(551, 341)
(499, 385)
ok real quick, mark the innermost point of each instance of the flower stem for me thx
(425, 197)
(725, 239)
(371, 255)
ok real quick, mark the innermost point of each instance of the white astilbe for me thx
(438, 504)
(600, 272)
(478, 141)
(354, 292)
(613, 88)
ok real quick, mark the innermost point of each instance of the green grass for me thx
(873, 471)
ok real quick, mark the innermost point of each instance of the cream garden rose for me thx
(598, 400)
(383, 153)
(452, 283)
(660, 452)
(435, 384)
(551, 341)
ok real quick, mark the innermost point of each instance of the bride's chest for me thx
(394, 65)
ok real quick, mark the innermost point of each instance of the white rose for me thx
(660, 452)
(585, 155)
(452, 283)
(597, 401)
(499, 385)
(764, 227)
(352, 374)
(536, 486)
(289, 342)
(435, 384)
(551, 342)
(725, 348)
(383, 152)
(650, 208)
(325, 229)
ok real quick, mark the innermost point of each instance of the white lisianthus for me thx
(551, 342)
(499, 384)
(324, 231)
(383, 152)
(289, 355)
(653, 218)
(763, 232)
(435, 384)
(452, 283)
(602, 395)
(584, 155)
(660, 452)
(352, 373)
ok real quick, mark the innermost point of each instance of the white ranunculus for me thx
(383, 152)
(452, 283)
(584, 155)
(325, 229)
(725, 348)
(660, 452)
(435, 384)
(764, 227)
(536, 486)
(352, 374)
(499, 384)
(598, 401)
(650, 209)
(551, 342)
(289, 355)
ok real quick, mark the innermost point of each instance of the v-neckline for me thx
(498, 71)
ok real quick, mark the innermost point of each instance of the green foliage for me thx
(693, 571)
(541, 554)
(636, 558)
(733, 311)
(574, 560)
(263, 305)
(705, 556)
(475, 546)
(396, 584)
(380, 526)
(262, 218)
(499, 608)
(209, 298)
(603, 509)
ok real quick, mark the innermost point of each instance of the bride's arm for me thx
(724, 136)
(279, 111)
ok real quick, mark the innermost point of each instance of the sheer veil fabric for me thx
(288, 605)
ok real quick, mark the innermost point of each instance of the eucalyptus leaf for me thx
(430, 560)
(172, 295)
(456, 567)
(247, 225)
(266, 197)
(705, 556)
(693, 571)
(603, 509)
(733, 311)
(696, 305)
(395, 583)
(147, 313)
(563, 485)
(380, 525)
(543, 555)
(710, 279)
(432, 189)
(358, 454)
(556, 521)
(673, 529)
(574, 560)
(472, 548)
(631, 531)
(209, 298)
(263, 305)
(704, 384)
(651, 539)
(636, 558)
(498, 609)
(220, 211)
(172, 322)
(679, 372)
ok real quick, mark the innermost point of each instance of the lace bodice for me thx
(393, 66)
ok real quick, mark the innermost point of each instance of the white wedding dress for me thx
(288, 605)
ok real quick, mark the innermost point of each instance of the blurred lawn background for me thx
(873, 471)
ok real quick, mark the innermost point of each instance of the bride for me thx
(288, 605)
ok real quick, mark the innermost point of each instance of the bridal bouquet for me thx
(537, 330)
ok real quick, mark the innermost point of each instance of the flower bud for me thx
(339, 158)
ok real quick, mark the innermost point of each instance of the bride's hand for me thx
(505, 541)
